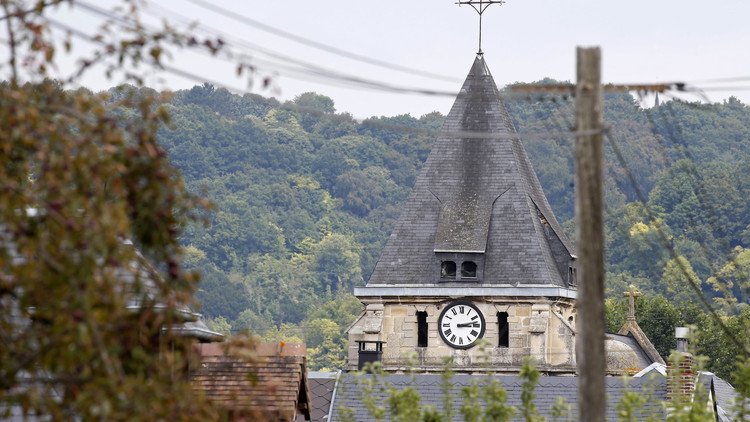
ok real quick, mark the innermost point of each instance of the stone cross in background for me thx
(632, 293)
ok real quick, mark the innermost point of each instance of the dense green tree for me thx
(219, 294)
(678, 276)
(732, 281)
(364, 190)
(336, 261)
(723, 354)
(326, 343)
(316, 102)
(278, 288)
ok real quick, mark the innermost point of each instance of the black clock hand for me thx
(469, 324)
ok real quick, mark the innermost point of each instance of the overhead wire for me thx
(200, 79)
(248, 21)
(251, 47)
(666, 242)
(702, 202)
(721, 80)
(723, 88)
(310, 72)
(674, 131)
(666, 239)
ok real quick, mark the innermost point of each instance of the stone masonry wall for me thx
(543, 330)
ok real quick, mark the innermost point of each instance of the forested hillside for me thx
(306, 197)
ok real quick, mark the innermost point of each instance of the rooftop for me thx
(477, 195)
(269, 383)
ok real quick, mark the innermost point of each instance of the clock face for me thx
(461, 325)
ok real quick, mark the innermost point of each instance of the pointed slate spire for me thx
(479, 197)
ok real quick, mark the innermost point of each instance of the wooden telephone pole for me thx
(590, 353)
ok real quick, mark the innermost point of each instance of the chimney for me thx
(680, 373)
(682, 334)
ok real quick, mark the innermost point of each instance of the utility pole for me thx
(590, 354)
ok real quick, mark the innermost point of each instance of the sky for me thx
(524, 40)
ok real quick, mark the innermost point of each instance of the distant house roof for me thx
(272, 385)
(322, 386)
(724, 396)
(626, 356)
(477, 194)
(349, 393)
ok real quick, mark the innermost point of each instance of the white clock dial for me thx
(461, 324)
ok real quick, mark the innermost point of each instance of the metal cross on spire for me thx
(480, 6)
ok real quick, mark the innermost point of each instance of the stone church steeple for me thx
(477, 256)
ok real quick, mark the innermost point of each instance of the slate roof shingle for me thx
(429, 386)
(477, 195)
(322, 385)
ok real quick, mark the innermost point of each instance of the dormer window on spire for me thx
(459, 267)
(468, 269)
(448, 269)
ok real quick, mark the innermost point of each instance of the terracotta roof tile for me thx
(271, 385)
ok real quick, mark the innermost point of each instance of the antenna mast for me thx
(480, 6)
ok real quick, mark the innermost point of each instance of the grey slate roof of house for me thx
(349, 393)
(725, 396)
(634, 357)
(322, 385)
(477, 195)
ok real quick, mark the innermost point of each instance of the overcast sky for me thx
(524, 40)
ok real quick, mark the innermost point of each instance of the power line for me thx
(721, 80)
(667, 243)
(461, 134)
(699, 190)
(225, 36)
(670, 248)
(723, 88)
(35, 9)
(311, 71)
(315, 44)
(440, 133)
(450, 134)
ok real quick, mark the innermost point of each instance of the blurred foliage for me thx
(91, 211)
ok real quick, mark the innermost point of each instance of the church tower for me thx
(477, 268)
